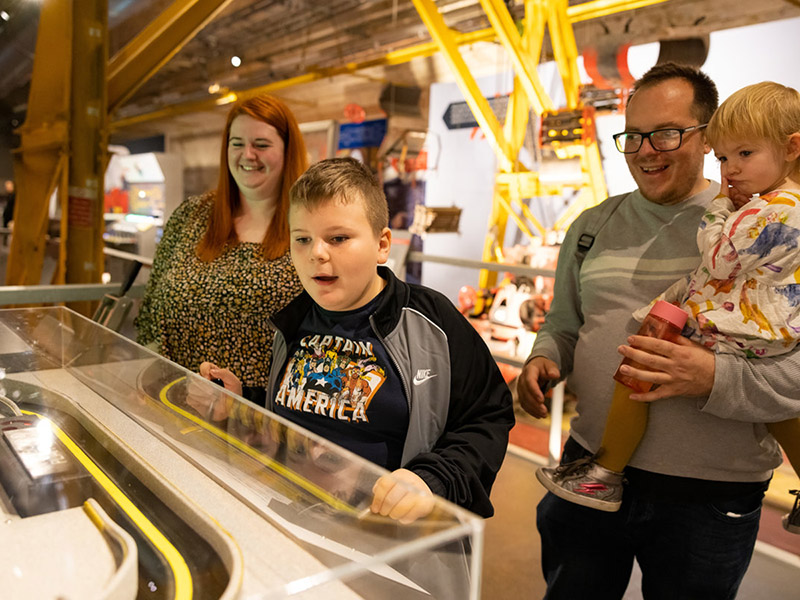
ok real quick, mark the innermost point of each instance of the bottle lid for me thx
(669, 312)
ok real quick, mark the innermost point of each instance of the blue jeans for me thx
(686, 550)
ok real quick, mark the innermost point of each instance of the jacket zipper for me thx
(394, 362)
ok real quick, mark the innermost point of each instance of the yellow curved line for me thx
(180, 571)
(259, 456)
(102, 526)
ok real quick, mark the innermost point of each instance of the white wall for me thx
(736, 58)
(465, 174)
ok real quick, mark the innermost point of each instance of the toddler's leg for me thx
(625, 427)
(788, 435)
(597, 482)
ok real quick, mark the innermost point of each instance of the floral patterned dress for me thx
(217, 311)
(744, 298)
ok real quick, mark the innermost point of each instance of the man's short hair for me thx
(345, 180)
(706, 97)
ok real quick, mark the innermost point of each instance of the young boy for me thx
(744, 296)
(390, 371)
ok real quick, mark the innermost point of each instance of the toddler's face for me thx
(337, 254)
(752, 166)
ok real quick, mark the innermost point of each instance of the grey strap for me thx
(605, 209)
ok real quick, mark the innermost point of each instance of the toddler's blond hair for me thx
(762, 111)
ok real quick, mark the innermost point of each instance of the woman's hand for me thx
(402, 495)
(211, 372)
(683, 368)
(212, 405)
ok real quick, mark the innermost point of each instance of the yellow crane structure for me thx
(569, 131)
(76, 88)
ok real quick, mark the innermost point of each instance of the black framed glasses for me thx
(663, 140)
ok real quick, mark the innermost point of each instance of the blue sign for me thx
(362, 135)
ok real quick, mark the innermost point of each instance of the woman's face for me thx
(255, 158)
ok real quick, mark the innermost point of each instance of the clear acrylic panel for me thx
(123, 475)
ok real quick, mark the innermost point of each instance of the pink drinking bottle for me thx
(664, 321)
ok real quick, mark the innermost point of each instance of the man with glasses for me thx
(693, 491)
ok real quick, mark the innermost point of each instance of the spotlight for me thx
(236, 61)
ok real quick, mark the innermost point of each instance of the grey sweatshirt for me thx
(641, 250)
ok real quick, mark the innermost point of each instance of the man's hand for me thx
(536, 373)
(683, 368)
(738, 198)
(402, 495)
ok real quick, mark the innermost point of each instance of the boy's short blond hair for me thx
(762, 111)
(345, 180)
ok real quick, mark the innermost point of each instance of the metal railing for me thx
(414, 256)
(76, 292)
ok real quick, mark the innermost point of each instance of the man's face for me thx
(666, 177)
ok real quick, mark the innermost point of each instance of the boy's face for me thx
(336, 254)
(752, 167)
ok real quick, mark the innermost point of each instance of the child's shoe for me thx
(791, 521)
(584, 482)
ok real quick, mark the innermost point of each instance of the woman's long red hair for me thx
(221, 232)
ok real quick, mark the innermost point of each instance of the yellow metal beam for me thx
(534, 24)
(82, 248)
(516, 125)
(156, 44)
(524, 67)
(523, 227)
(514, 129)
(513, 185)
(565, 50)
(479, 106)
(44, 136)
(396, 57)
(603, 8)
(492, 243)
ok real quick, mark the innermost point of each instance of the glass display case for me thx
(123, 475)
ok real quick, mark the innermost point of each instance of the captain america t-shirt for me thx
(340, 383)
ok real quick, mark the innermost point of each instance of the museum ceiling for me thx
(278, 40)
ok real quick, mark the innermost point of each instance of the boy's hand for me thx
(402, 495)
(738, 198)
(211, 372)
(535, 376)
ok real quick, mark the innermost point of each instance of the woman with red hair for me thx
(223, 266)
